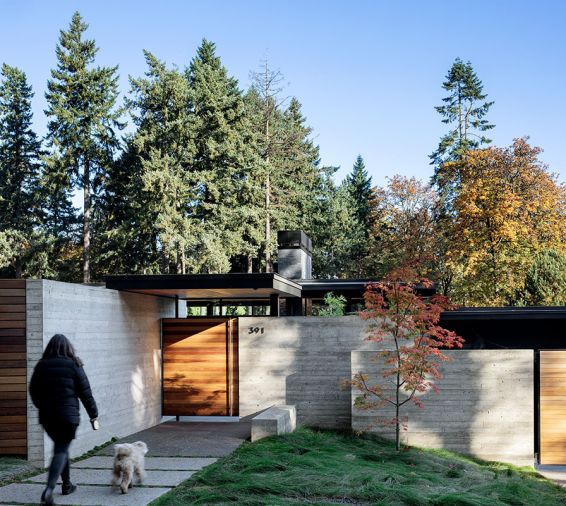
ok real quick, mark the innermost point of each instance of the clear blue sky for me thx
(368, 72)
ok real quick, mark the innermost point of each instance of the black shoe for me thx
(68, 488)
(47, 496)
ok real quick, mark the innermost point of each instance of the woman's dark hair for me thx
(60, 346)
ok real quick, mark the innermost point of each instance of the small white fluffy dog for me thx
(128, 460)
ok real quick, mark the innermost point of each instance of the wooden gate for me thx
(13, 367)
(552, 407)
(200, 366)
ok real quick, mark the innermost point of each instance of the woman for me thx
(57, 384)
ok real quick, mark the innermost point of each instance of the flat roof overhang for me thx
(506, 313)
(206, 286)
(318, 287)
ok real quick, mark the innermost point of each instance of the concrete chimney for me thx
(294, 258)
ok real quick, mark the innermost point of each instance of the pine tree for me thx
(83, 121)
(466, 108)
(20, 167)
(226, 163)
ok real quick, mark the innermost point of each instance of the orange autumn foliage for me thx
(508, 206)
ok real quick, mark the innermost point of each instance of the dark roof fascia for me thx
(506, 313)
(318, 285)
(131, 282)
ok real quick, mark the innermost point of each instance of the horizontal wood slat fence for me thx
(13, 364)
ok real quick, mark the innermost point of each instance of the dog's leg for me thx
(126, 480)
(140, 473)
(115, 476)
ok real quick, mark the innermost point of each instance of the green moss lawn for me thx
(329, 468)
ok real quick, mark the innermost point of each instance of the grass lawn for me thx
(13, 466)
(329, 468)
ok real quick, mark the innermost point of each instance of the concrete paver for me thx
(176, 451)
(554, 473)
(164, 463)
(190, 439)
(104, 477)
(28, 493)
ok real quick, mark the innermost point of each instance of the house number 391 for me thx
(255, 330)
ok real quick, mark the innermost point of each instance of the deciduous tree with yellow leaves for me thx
(508, 207)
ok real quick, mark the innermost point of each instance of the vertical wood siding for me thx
(200, 367)
(13, 386)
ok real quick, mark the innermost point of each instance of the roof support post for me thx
(274, 304)
(176, 306)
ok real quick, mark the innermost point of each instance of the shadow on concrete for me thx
(190, 439)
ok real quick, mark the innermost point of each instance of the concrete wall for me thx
(300, 361)
(485, 406)
(117, 335)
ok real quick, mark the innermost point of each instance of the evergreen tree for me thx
(334, 230)
(465, 107)
(81, 106)
(226, 163)
(20, 152)
(545, 282)
(292, 177)
(298, 186)
(359, 185)
(151, 191)
(126, 238)
(265, 99)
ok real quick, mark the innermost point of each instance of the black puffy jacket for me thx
(56, 386)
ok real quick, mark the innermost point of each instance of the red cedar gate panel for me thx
(552, 407)
(13, 382)
(200, 366)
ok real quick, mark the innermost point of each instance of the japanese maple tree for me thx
(407, 325)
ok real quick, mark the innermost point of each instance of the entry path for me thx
(176, 451)
(554, 473)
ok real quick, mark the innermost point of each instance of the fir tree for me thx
(335, 230)
(226, 163)
(81, 107)
(151, 192)
(20, 152)
(292, 177)
(266, 102)
(359, 186)
(465, 108)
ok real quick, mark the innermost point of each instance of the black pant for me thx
(62, 435)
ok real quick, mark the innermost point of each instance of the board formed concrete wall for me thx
(484, 407)
(117, 335)
(299, 361)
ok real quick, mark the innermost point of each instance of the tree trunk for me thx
(397, 421)
(268, 260)
(250, 263)
(18, 267)
(86, 222)
(178, 262)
